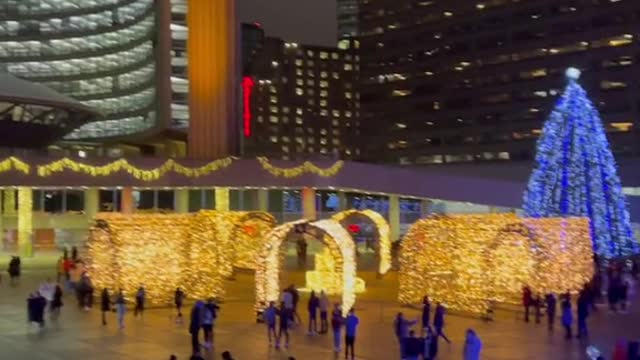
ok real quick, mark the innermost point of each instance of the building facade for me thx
(101, 53)
(302, 101)
(347, 18)
(461, 81)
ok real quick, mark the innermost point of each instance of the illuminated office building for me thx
(301, 101)
(459, 81)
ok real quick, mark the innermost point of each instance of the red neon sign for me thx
(247, 90)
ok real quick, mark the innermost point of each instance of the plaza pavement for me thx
(79, 335)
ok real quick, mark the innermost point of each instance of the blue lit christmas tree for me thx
(575, 174)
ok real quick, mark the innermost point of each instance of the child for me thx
(269, 316)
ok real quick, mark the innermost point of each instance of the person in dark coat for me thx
(36, 305)
(14, 269)
(426, 312)
(413, 346)
(178, 300)
(527, 301)
(312, 307)
(438, 322)
(430, 344)
(105, 305)
(197, 314)
(56, 303)
(551, 303)
(583, 313)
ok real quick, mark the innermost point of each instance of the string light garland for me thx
(138, 173)
(306, 167)
(9, 202)
(470, 261)
(382, 227)
(247, 237)
(13, 163)
(337, 240)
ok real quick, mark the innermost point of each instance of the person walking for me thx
(430, 344)
(351, 325)
(56, 303)
(14, 270)
(527, 301)
(324, 308)
(208, 322)
(336, 326)
(567, 319)
(295, 297)
(550, 301)
(47, 289)
(472, 346)
(140, 300)
(270, 315)
(286, 316)
(105, 305)
(312, 307)
(413, 347)
(438, 322)
(426, 312)
(401, 329)
(121, 308)
(178, 300)
(37, 305)
(195, 323)
(583, 313)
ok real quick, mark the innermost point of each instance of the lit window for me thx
(324, 112)
(285, 148)
(323, 150)
(273, 99)
(336, 113)
(323, 141)
(323, 131)
(310, 73)
(299, 72)
(622, 126)
(436, 105)
(324, 74)
(324, 93)
(335, 75)
(274, 139)
(299, 121)
(274, 63)
(336, 141)
(612, 85)
(285, 109)
(324, 55)
(324, 84)
(347, 114)
(273, 119)
(323, 103)
(285, 139)
(299, 91)
(300, 82)
(335, 122)
(348, 67)
(448, 13)
(335, 56)
(274, 109)
(400, 93)
(299, 140)
(298, 62)
(272, 89)
(348, 95)
(299, 111)
(309, 53)
(401, 126)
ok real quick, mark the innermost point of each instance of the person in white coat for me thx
(472, 346)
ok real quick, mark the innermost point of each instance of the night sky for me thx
(304, 21)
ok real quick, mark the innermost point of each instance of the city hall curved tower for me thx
(101, 53)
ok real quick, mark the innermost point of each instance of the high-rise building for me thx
(101, 53)
(147, 66)
(301, 101)
(347, 18)
(457, 81)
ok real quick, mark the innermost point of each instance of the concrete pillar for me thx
(127, 203)
(263, 200)
(9, 202)
(394, 217)
(309, 203)
(214, 78)
(222, 198)
(342, 201)
(425, 208)
(91, 202)
(181, 201)
(25, 222)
